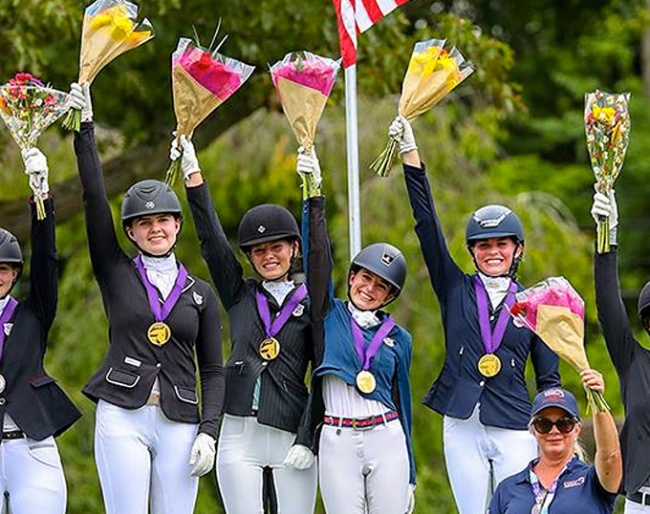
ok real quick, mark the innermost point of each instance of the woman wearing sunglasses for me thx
(559, 481)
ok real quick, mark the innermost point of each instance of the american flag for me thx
(357, 16)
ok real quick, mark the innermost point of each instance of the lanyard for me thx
(7, 313)
(364, 353)
(161, 311)
(492, 339)
(272, 328)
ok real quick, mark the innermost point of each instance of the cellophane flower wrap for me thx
(109, 29)
(555, 312)
(433, 72)
(607, 127)
(201, 81)
(28, 107)
(304, 82)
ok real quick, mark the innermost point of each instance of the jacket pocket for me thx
(41, 380)
(186, 394)
(122, 378)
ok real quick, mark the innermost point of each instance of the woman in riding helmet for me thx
(33, 408)
(361, 392)
(152, 440)
(630, 358)
(263, 454)
(481, 390)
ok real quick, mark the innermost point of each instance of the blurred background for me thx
(513, 133)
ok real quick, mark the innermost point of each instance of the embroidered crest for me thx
(150, 205)
(198, 299)
(574, 483)
(297, 312)
(7, 328)
(389, 341)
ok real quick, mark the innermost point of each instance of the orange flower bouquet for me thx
(109, 30)
(432, 74)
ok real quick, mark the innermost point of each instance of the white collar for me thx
(496, 287)
(3, 303)
(364, 319)
(279, 289)
(160, 264)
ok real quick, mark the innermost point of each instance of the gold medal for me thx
(366, 382)
(159, 333)
(269, 348)
(489, 365)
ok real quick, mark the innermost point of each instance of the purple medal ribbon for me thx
(366, 354)
(8, 311)
(492, 340)
(161, 311)
(272, 328)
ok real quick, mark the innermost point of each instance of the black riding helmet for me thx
(149, 197)
(385, 261)
(492, 221)
(265, 223)
(10, 251)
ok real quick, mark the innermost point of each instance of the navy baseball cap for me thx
(555, 397)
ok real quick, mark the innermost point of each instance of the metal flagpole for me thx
(354, 201)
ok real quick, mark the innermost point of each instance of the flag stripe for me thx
(374, 11)
(363, 16)
(347, 31)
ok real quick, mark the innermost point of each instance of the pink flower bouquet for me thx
(202, 80)
(607, 127)
(304, 82)
(28, 107)
(555, 312)
(109, 30)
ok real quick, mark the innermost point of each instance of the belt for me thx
(361, 423)
(13, 434)
(642, 498)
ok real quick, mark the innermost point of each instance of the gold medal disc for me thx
(159, 333)
(489, 365)
(366, 382)
(269, 348)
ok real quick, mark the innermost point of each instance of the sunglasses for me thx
(544, 425)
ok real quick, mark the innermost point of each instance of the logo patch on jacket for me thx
(198, 299)
(7, 328)
(389, 341)
(574, 483)
(297, 312)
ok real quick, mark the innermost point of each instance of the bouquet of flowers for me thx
(304, 82)
(431, 74)
(109, 30)
(555, 312)
(28, 107)
(202, 79)
(607, 126)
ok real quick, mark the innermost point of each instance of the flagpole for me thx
(354, 201)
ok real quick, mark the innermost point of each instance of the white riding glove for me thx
(80, 99)
(37, 170)
(202, 455)
(308, 167)
(605, 206)
(299, 457)
(401, 132)
(410, 504)
(187, 154)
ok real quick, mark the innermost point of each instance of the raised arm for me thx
(42, 297)
(608, 460)
(227, 274)
(442, 268)
(612, 316)
(102, 239)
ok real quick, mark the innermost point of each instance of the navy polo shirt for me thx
(578, 490)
